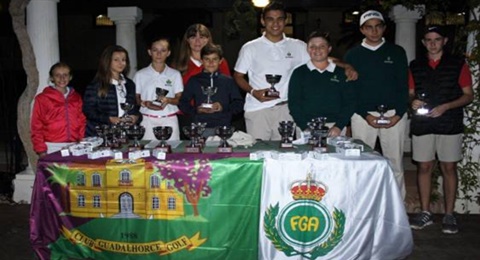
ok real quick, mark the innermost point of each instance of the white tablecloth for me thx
(362, 193)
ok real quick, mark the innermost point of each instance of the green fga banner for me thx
(178, 209)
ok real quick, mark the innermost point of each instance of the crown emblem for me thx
(308, 189)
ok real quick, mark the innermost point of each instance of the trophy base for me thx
(422, 111)
(286, 145)
(206, 105)
(158, 104)
(320, 149)
(383, 121)
(135, 148)
(224, 150)
(116, 145)
(164, 149)
(194, 149)
(272, 94)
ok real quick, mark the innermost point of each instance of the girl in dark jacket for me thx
(109, 89)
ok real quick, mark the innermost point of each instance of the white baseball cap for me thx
(370, 14)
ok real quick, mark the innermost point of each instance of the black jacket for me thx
(227, 94)
(99, 109)
(440, 86)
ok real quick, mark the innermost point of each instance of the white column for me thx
(405, 27)
(405, 36)
(42, 27)
(125, 18)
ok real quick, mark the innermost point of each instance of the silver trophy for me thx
(102, 133)
(423, 109)
(135, 133)
(382, 120)
(286, 130)
(194, 132)
(209, 91)
(160, 92)
(224, 132)
(126, 107)
(273, 79)
(319, 134)
(163, 133)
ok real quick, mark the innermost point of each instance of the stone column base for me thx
(23, 186)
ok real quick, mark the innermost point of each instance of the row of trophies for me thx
(114, 136)
(317, 133)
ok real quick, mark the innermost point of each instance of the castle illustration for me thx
(122, 189)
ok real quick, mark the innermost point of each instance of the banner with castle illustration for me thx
(179, 209)
(332, 209)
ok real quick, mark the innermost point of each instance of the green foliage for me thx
(241, 20)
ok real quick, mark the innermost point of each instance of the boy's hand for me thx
(216, 107)
(260, 95)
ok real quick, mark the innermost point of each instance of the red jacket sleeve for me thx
(82, 120)
(37, 127)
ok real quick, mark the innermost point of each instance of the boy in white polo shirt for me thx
(272, 53)
(159, 110)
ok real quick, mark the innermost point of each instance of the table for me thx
(216, 206)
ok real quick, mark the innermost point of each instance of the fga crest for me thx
(304, 226)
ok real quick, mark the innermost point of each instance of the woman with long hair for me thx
(189, 61)
(109, 89)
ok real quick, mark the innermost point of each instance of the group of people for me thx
(311, 85)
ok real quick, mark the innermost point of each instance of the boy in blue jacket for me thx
(226, 99)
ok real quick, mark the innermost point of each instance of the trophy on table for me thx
(115, 133)
(273, 79)
(160, 92)
(209, 91)
(194, 132)
(311, 126)
(286, 130)
(320, 134)
(382, 120)
(102, 133)
(126, 107)
(422, 110)
(224, 132)
(135, 132)
(163, 133)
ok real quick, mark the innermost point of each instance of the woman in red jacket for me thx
(57, 117)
